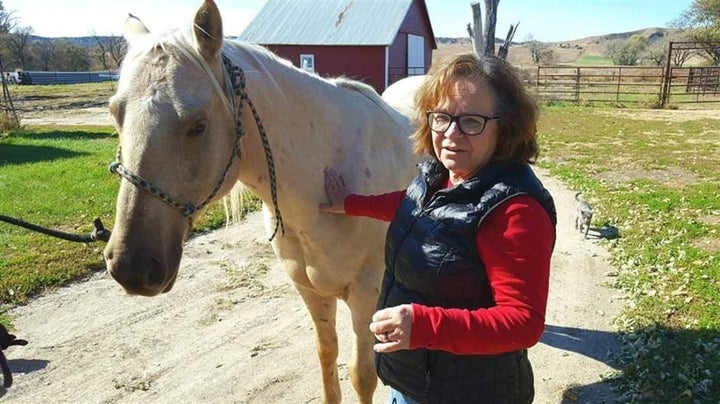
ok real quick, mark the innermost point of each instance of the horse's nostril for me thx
(156, 275)
(140, 274)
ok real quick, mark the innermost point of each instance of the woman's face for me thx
(461, 154)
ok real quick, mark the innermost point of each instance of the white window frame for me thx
(307, 62)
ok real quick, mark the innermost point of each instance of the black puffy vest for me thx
(431, 258)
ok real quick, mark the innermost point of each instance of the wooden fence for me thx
(624, 84)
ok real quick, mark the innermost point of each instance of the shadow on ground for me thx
(598, 345)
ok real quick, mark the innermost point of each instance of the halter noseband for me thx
(237, 96)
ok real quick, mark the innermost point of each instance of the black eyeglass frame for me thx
(456, 119)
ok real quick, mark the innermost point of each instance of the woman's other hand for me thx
(392, 327)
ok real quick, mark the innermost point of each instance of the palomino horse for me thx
(196, 114)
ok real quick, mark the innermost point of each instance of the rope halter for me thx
(238, 94)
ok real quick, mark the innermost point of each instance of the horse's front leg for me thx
(323, 311)
(362, 300)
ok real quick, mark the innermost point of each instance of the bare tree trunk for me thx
(476, 33)
(7, 98)
(505, 47)
(491, 7)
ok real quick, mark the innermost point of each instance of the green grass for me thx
(658, 182)
(61, 95)
(57, 177)
(54, 178)
(593, 60)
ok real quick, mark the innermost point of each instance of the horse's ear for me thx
(134, 28)
(208, 31)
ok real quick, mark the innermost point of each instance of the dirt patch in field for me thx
(709, 244)
(674, 178)
(670, 115)
(97, 115)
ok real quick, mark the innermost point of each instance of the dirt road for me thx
(233, 330)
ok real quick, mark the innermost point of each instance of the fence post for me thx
(577, 85)
(665, 92)
(617, 93)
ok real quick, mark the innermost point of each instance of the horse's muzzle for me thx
(141, 274)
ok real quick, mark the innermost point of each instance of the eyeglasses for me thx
(470, 124)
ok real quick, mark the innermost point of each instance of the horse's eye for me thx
(198, 128)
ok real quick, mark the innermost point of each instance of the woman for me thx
(469, 244)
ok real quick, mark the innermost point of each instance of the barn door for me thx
(416, 55)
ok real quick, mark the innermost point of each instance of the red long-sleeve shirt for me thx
(515, 242)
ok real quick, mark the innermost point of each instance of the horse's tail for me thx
(233, 203)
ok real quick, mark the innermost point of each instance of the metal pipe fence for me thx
(623, 84)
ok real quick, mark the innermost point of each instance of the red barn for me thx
(375, 41)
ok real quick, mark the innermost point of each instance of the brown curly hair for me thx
(516, 108)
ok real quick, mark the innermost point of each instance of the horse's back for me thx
(401, 95)
(381, 148)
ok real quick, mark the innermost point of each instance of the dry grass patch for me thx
(672, 177)
(708, 244)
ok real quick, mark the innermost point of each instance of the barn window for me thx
(307, 63)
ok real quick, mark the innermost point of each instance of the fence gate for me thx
(690, 84)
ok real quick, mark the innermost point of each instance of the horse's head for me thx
(178, 143)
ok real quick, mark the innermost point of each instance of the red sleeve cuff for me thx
(422, 329)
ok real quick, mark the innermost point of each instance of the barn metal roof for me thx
(327, 22)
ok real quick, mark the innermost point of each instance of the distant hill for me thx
(452, 41)
(81, 41)
(566, 51)
(652, 34)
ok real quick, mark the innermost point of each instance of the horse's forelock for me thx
(178, 44)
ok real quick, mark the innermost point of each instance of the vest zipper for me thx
(430, 358)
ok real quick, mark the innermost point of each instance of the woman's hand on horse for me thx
(336, 191)
(392, 327)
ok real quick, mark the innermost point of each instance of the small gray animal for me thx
(583, 215)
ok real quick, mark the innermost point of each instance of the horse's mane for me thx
(370, 93)
(262, 55)
(182, 41)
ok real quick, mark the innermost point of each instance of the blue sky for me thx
(544, 20)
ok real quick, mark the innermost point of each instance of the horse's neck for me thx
(312, 124)
(282, 96)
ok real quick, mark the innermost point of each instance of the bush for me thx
(8, 122)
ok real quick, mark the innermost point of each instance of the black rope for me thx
(239, 92)
(99, 233)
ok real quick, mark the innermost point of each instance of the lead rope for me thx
(238, 84)
(99, 233)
